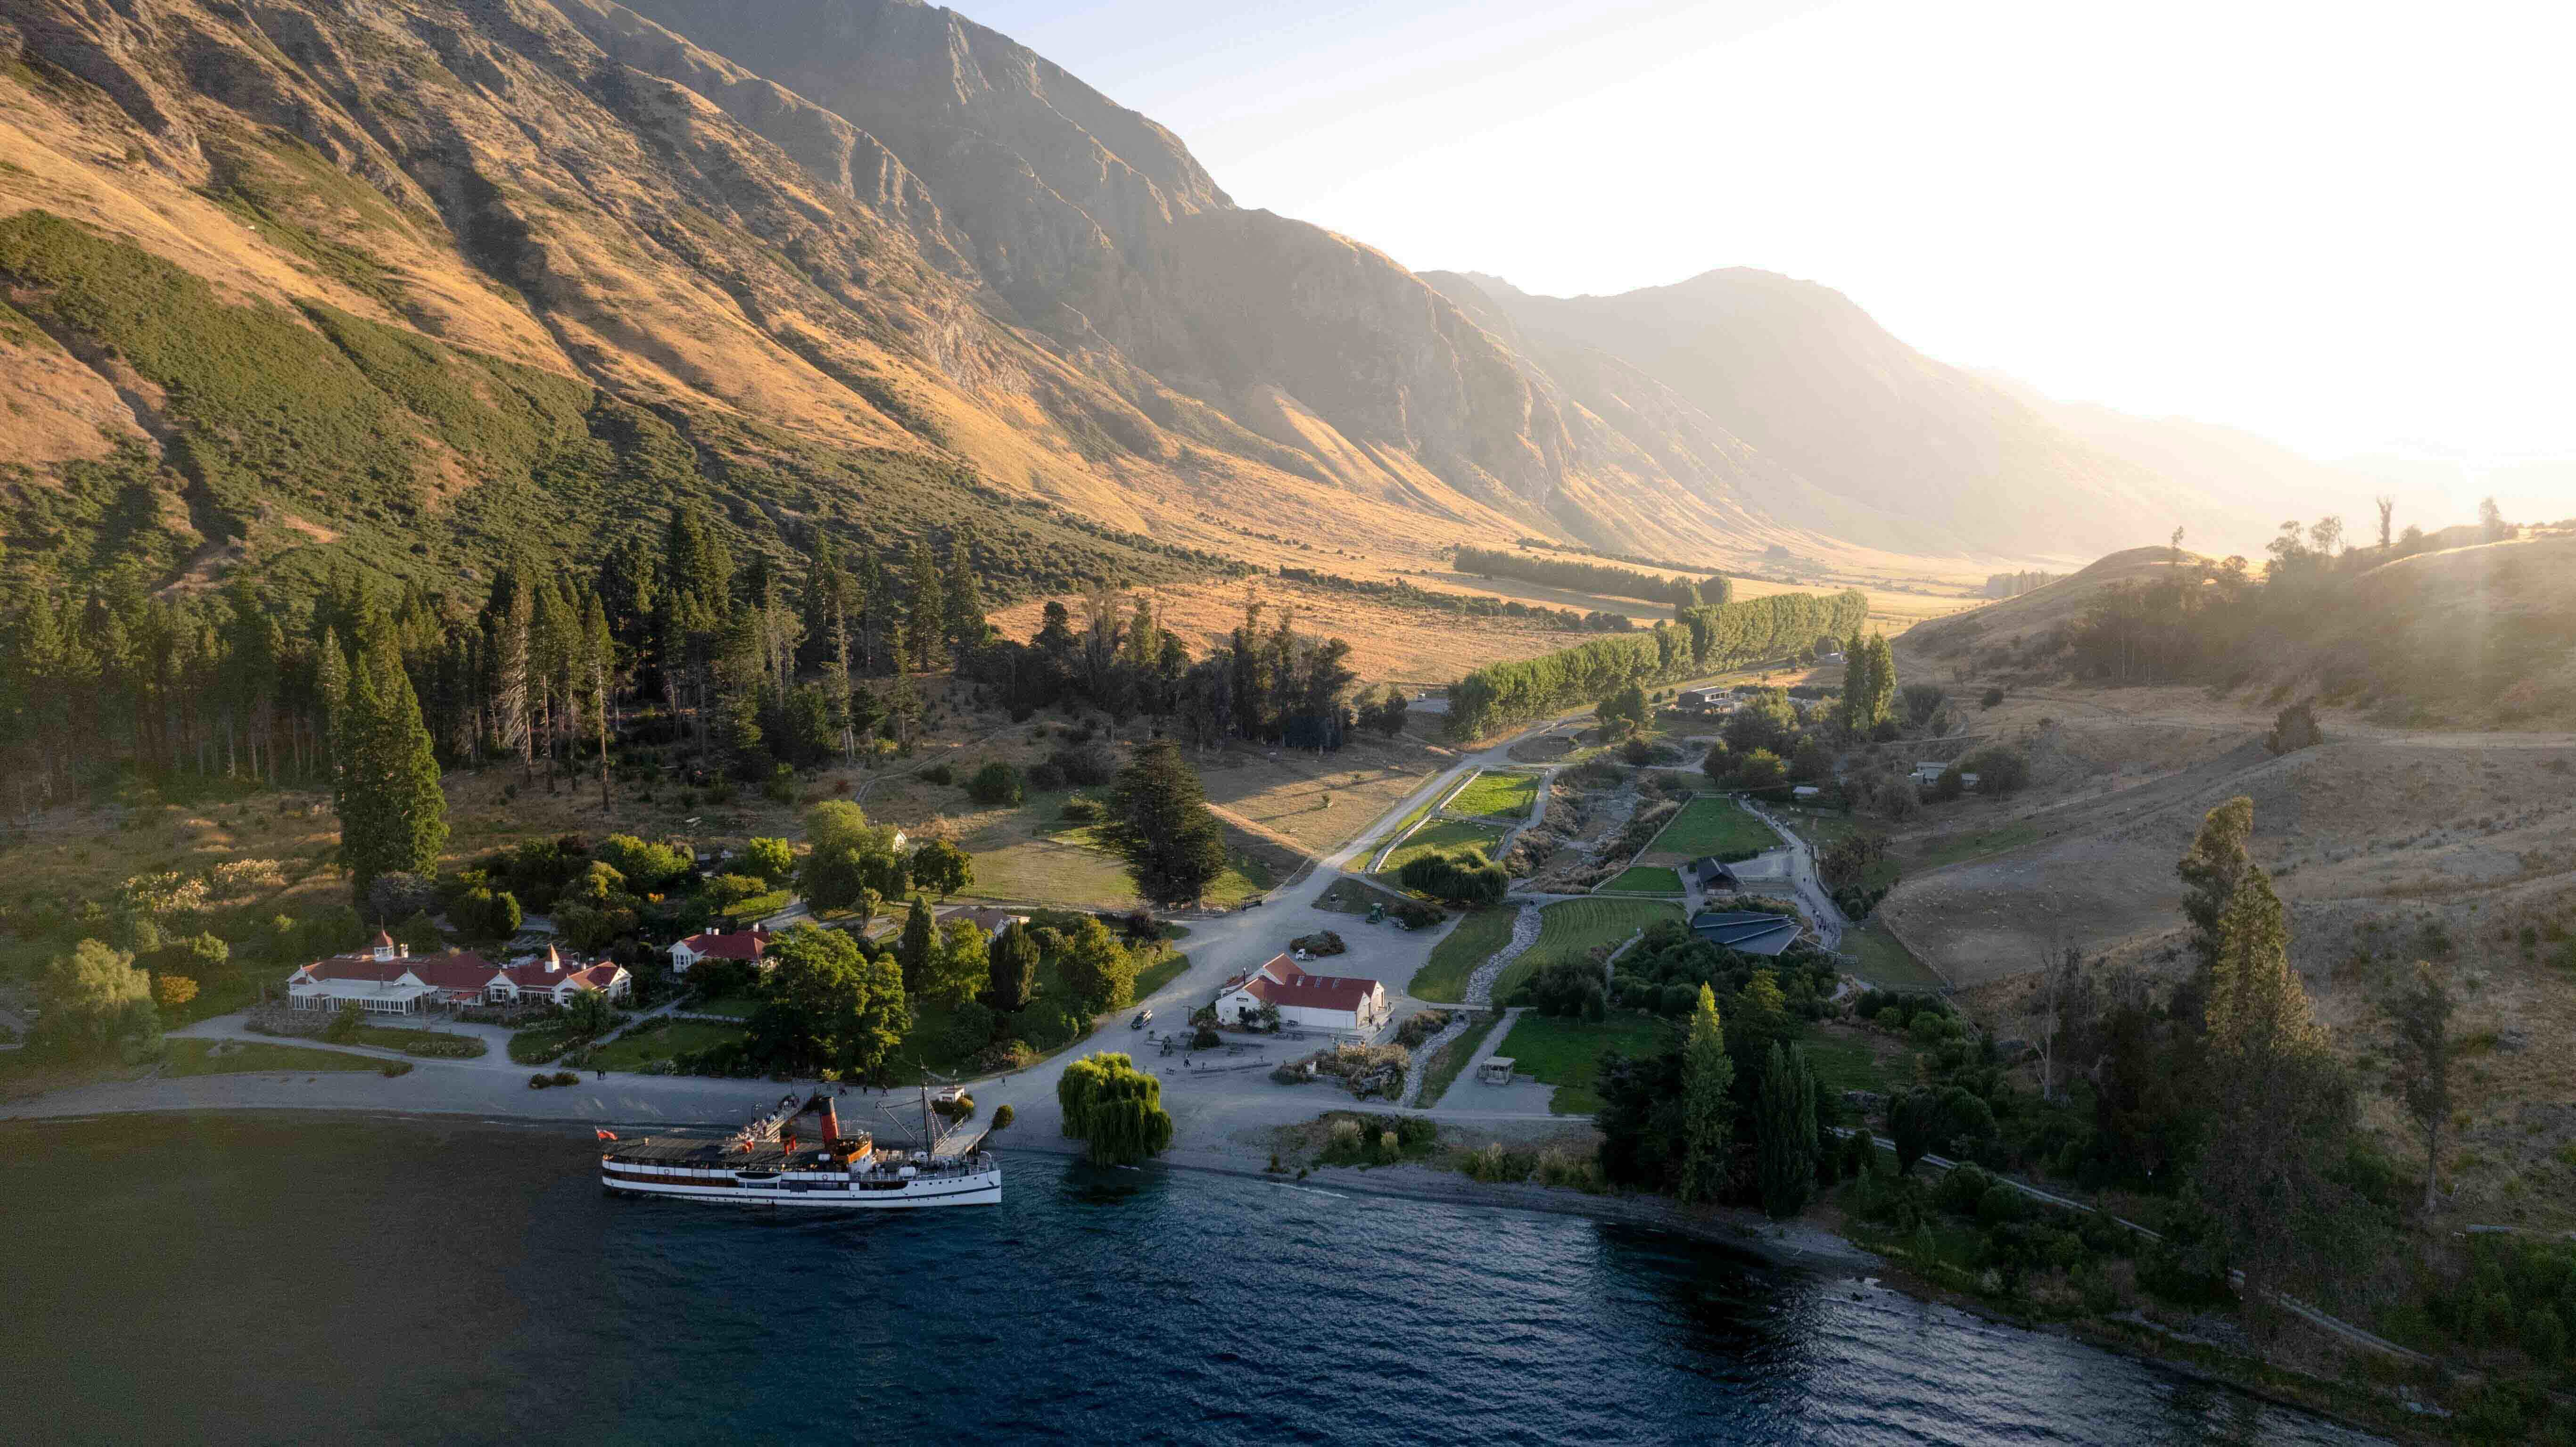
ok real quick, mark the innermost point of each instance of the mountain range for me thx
(868, 262)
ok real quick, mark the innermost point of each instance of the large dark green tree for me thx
(1160, 824)
(1784, 1132)
(828, 1006)
(1012, 969)
(393, 816)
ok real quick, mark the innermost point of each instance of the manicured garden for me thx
(1644, 879)
(1443, 978)
(1568, 930)
(1566, 1052)
(1496, 796)
(1714, 826)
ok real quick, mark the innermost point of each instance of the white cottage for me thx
(1327, 1002)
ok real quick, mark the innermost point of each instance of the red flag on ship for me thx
(606, 1135)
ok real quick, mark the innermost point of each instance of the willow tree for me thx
(1114, 1106)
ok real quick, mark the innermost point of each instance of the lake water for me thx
(285, 1279)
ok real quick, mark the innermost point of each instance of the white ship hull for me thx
(983, 1188)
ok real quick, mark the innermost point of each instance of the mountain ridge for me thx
(879, 227)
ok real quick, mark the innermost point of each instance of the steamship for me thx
(780, 1160)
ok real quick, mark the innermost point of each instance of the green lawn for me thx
(1155, 976)
(191, 1057)
(1844, 1062)
(1713, 826)
(429, 1044)
(1567, 1053)
(1970, 844)
(1886, 963)
(1443, 1069)
(1496, 796)
(1644, 879)
(1442, 834)
(661, 1040)
(1443, 977)
(738, 1007)
(1569, 929)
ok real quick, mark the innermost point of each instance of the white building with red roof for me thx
(1327, 1002)
(388, 979)
(745, 945)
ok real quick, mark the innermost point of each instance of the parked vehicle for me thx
(1141, 1017)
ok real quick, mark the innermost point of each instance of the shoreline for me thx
(1798, 1246)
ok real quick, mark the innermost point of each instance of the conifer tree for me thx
(967, 628)
(1785, 1132)
(393, 816)
(1708, 1103)
(916, 950)
(2215, 865)
(925, 624)
(1013, 969)
(599, 656)
(1159, 822)
(331, 684)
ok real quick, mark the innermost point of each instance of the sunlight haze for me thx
(2341, 226)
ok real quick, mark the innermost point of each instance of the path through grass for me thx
(1454, 1058)
(1567, 930)
(1443, 977)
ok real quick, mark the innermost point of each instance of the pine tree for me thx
(2215, 865)
(1785, 1132)
(925, 624)
(1159, 822)
(2256, 1002)
(509, 617)
(599, 655)
(2419, 1064)
(393, 816)
(1708, 1103)
(1013, 969)
(916, 950)
(967, 628)
(331, 689)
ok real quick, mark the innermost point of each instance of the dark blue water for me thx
(293, 1280)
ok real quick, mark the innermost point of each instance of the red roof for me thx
(740, 945)
(1280, 982)
(447, 971)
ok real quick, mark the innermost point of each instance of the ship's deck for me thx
(710, 1151)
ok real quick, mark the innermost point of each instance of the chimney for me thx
(831, 1119)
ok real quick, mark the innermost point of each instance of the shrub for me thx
(1420, 1028)
(995, 785)
(1992, 698)
(1321, 942)
(1999, 770)
(1205, 1039)
(566, 1077)
(940, 773)
(1077, 810)
(1045, 777)
(1088, 764)
(540, 1081)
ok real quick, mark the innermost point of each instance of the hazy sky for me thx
(2344, 225)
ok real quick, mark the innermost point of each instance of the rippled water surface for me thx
(277, 1279)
